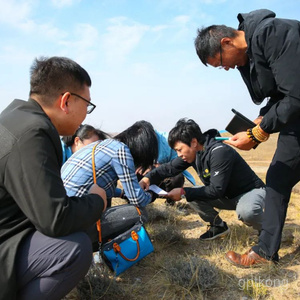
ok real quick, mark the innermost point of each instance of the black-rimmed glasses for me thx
(90, 106)
(221, 61)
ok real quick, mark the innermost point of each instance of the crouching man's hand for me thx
(176, 194)
(96, 189)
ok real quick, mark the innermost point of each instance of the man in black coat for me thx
(44, 250)
(229, 182)
(266, 51)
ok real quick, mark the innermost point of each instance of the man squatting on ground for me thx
(44, 250)
(266, 51)
(229, 182)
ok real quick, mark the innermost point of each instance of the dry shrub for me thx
(297, 238)
(191, 272)
(166, 234)
(162, 212)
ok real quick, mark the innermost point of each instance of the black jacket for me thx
(273, 69)
(222, 170)
(32, 195)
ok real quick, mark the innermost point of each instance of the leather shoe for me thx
(246, 260)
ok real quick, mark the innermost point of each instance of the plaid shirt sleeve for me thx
(123, 164)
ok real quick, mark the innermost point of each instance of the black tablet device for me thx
(239, 123)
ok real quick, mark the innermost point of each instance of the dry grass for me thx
(183, 267)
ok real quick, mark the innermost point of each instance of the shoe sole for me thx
(217, 236)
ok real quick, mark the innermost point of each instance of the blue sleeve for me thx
(165, 152)
(118, 192)
(189, 177)
(123, 164)
(66, 152)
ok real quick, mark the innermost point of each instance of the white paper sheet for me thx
(157, 190)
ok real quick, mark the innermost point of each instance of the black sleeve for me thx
(267, 107)
(170, 169)
(33, 180)
(280, 46)
(221, 166)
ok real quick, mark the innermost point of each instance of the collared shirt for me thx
(113, 161)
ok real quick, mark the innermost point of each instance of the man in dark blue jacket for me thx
(266, 51)
(229, 182)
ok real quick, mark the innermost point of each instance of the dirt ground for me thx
(175, 235)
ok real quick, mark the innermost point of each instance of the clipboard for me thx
(239, 123)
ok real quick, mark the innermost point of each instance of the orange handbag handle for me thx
(95, 181)
(117, 247)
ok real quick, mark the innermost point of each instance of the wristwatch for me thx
(182, 193)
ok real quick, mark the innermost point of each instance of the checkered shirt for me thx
(113, 161)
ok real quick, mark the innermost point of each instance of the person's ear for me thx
(194, 143)
(64, 102)
(226, 41)
(76, 141)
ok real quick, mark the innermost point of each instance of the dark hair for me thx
(142, 142)
(51, 76)
(207, 42)
(85, 132)
(184, 131)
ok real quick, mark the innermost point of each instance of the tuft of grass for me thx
(255, 290)
(162, 212)
(191, 272)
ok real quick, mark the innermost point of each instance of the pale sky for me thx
(139, 53)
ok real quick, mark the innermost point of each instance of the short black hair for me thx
(52, 76)
(207, 42)
(142, 142)
(184, 131)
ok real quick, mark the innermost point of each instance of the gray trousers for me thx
(49, 268)
(248, 206)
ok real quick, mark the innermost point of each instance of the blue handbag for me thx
(127, 249)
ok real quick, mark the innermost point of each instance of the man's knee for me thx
(82, 250)
(55, 265)
(251, 215)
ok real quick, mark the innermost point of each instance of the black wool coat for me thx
(273, 69)
(32, 195)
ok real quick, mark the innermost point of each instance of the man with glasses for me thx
(90, 105)
(44, 248)
(266, 51)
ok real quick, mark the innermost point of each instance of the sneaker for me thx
(214, 232)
